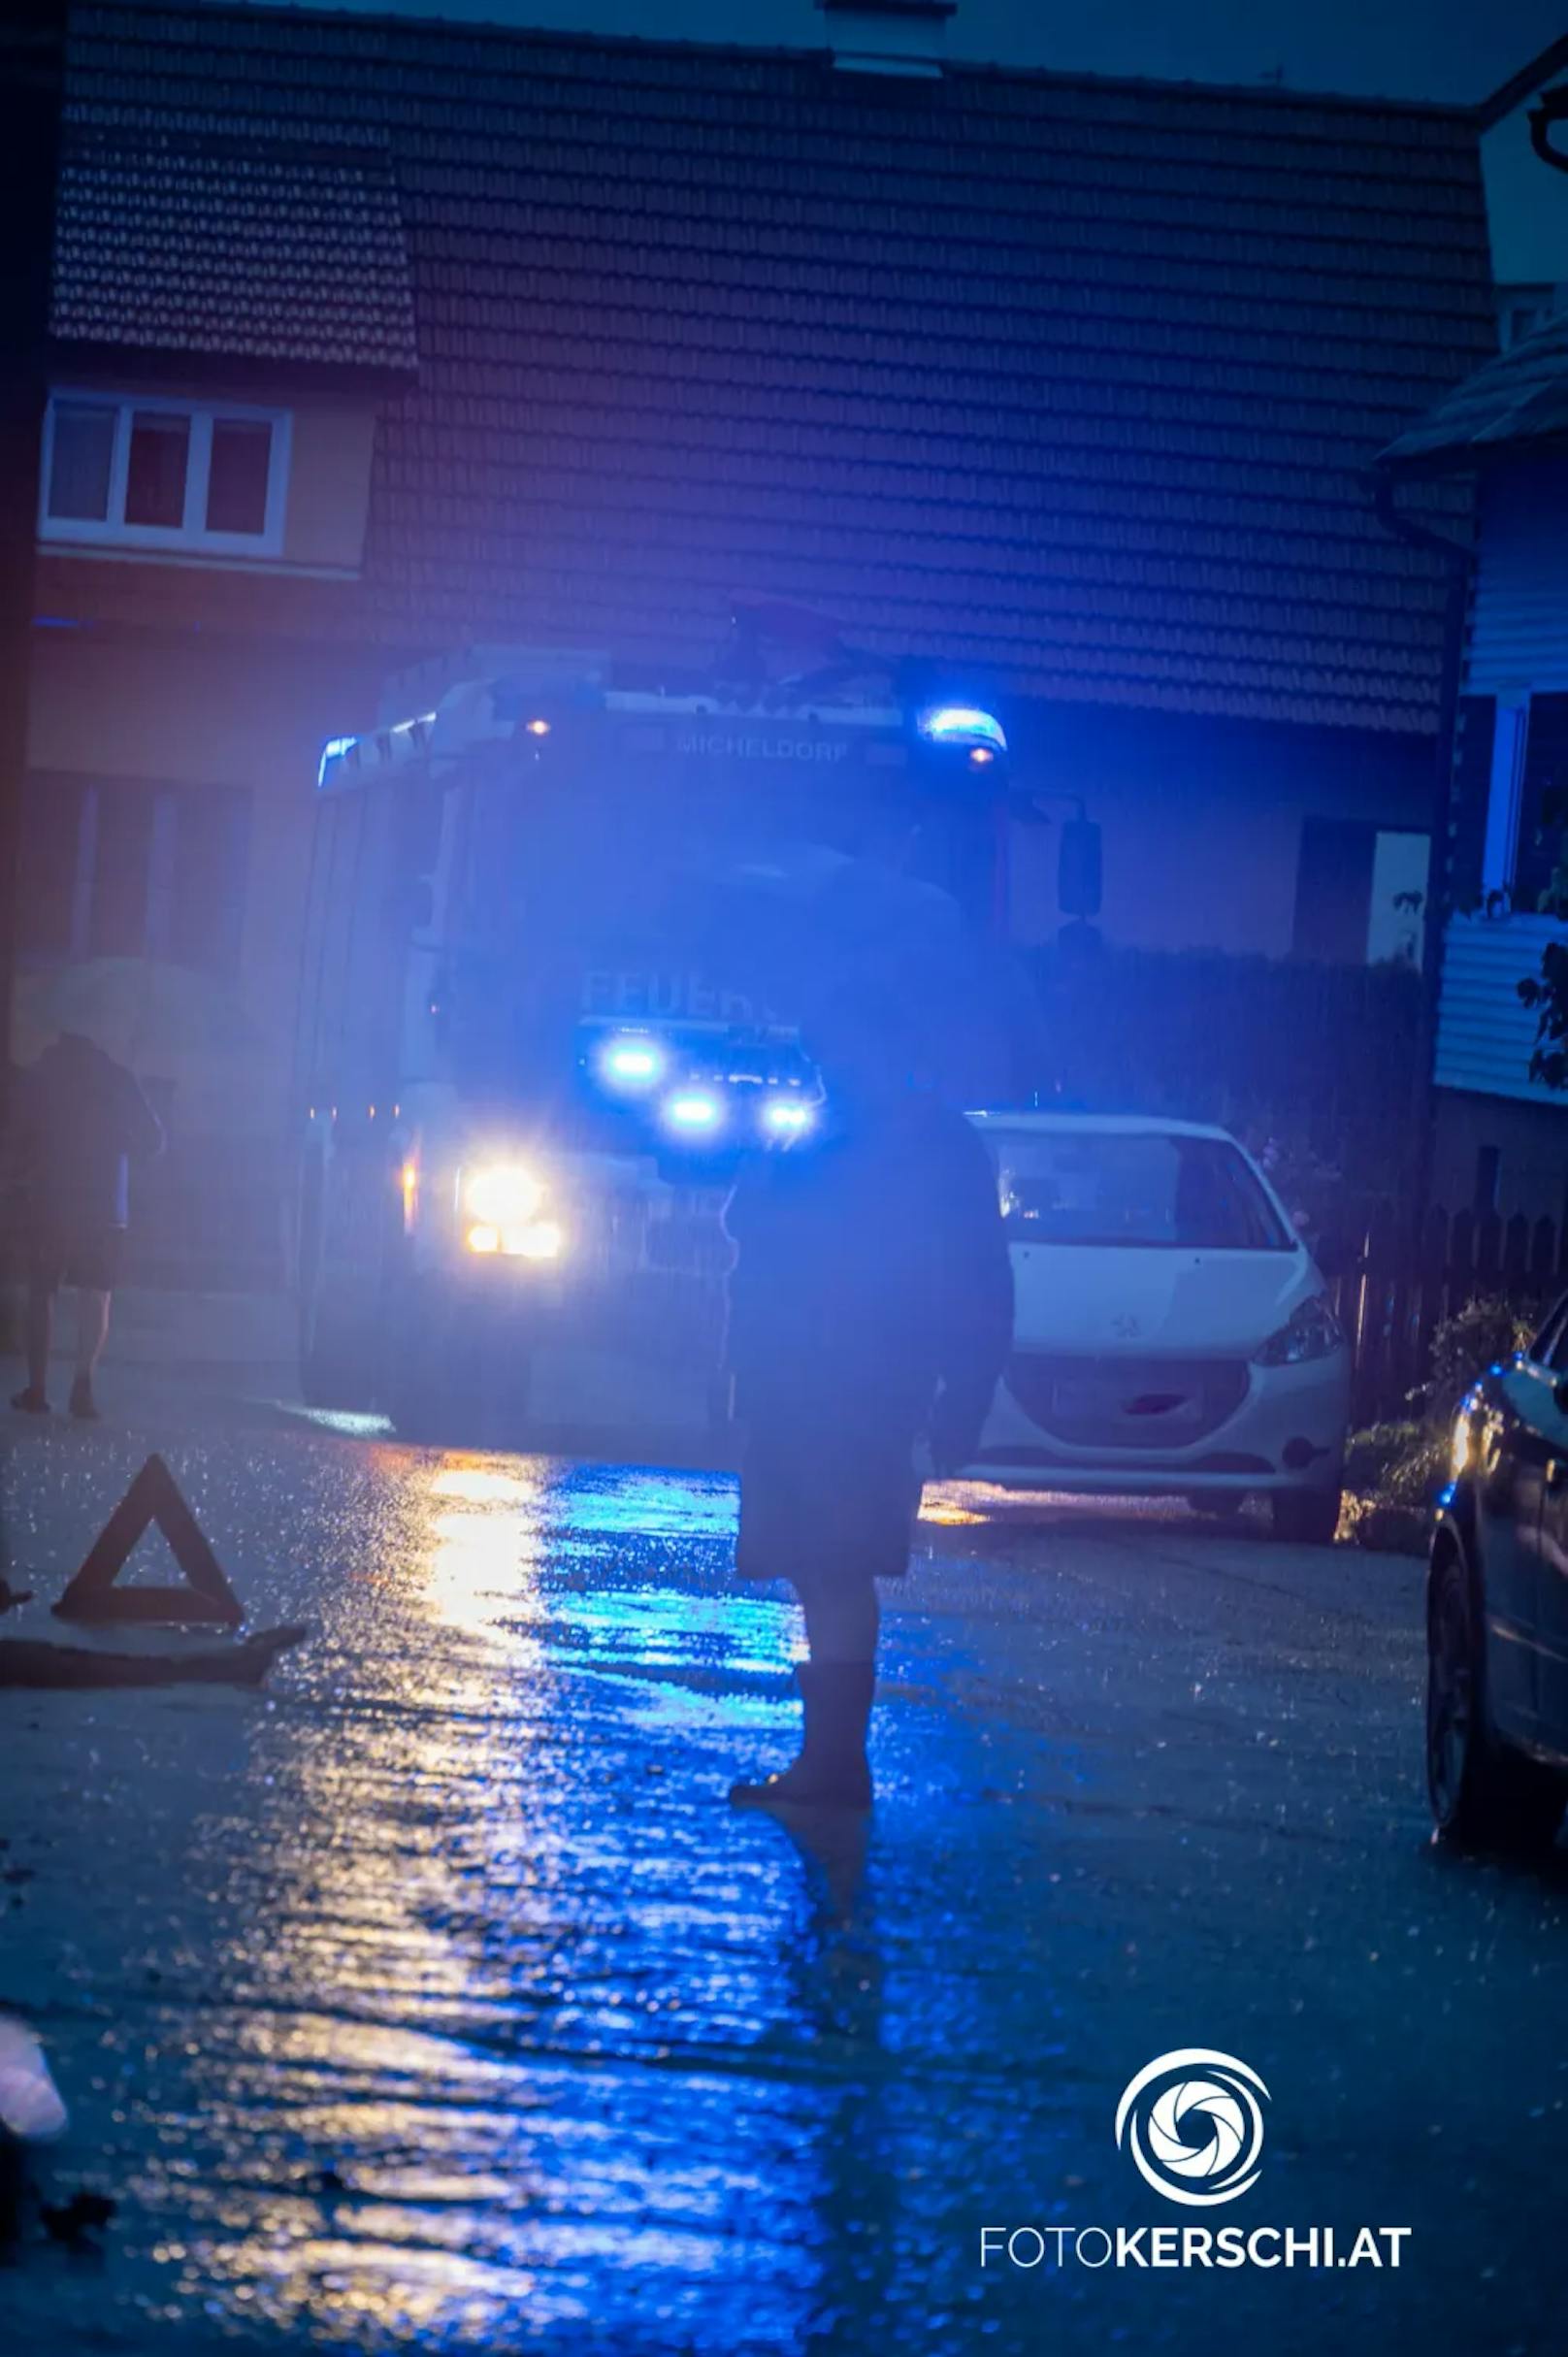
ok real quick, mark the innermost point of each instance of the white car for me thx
(1172, 1334)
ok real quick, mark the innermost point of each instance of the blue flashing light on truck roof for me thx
(332, 752)
(345, 759)
(964, 724)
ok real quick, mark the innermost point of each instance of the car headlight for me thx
(1460, 1443)
(1313, 1332)
(502, 1194)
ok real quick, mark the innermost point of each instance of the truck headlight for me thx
(1311, 1332)
(502, 1204)
(538, 1240)
(501, 1195)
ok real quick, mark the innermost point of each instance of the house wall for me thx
(1491, 1154)
(1203, 821)
(1519, 625)
(1485, 1030)
(1494, 1125)
(250, 716)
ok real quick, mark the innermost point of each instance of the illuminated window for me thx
(161, 473)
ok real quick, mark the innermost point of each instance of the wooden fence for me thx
(1399, 1288)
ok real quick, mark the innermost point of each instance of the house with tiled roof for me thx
(1501, 1110)
(377, 338)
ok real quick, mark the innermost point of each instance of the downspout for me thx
(1458, 556)
(1542, 118)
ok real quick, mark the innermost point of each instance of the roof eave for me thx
(267, 374)
(1462, 455)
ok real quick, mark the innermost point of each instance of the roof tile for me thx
(245, 248)
(1073, 382)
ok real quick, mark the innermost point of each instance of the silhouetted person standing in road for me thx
(82, 1121)
(870, 1305)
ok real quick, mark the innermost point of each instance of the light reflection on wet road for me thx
(437, 1999)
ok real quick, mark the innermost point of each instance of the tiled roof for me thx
(246, 248)
(1519, 398)
(1073, 382)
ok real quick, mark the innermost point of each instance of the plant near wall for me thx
(1394, 1470)
(1487, 1330)
(1545, 991)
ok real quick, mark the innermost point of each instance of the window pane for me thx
(1543, 837)
(237, 484)
(155, 479)
(84, 454)
(1134, 1187)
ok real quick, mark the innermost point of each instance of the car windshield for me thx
(1150, 1188)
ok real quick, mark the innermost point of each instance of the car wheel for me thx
(1305, 1517)
(1483, 1796)
(1218, 1505)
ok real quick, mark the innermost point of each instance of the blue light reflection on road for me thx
(466, 1924)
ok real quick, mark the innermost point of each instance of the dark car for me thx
(1498, 1607)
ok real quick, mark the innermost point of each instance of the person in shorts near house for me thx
(82, 1121)
(871, 1312)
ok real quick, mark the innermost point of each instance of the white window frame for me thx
(191, 533)
(1499, 859)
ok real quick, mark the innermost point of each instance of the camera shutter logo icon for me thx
(1192, 2121)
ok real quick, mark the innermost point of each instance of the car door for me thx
(1551, 1607)
(1518, 1432)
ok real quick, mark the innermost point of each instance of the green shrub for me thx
(1398, 1464)
(1491, 1328)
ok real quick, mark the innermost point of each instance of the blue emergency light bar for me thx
(964, 724)
(632, 1062)
(382, 749)
(787, 1114)
(693, 1112)
(332, 752)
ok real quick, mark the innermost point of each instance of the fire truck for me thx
(523, 1078)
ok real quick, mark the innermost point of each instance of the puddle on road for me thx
(441, 1999)
(437, 2000)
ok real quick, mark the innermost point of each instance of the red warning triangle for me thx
(153, 1497)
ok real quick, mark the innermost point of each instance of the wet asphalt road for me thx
(434, 1998)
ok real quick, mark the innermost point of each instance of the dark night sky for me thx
(1456, 49)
